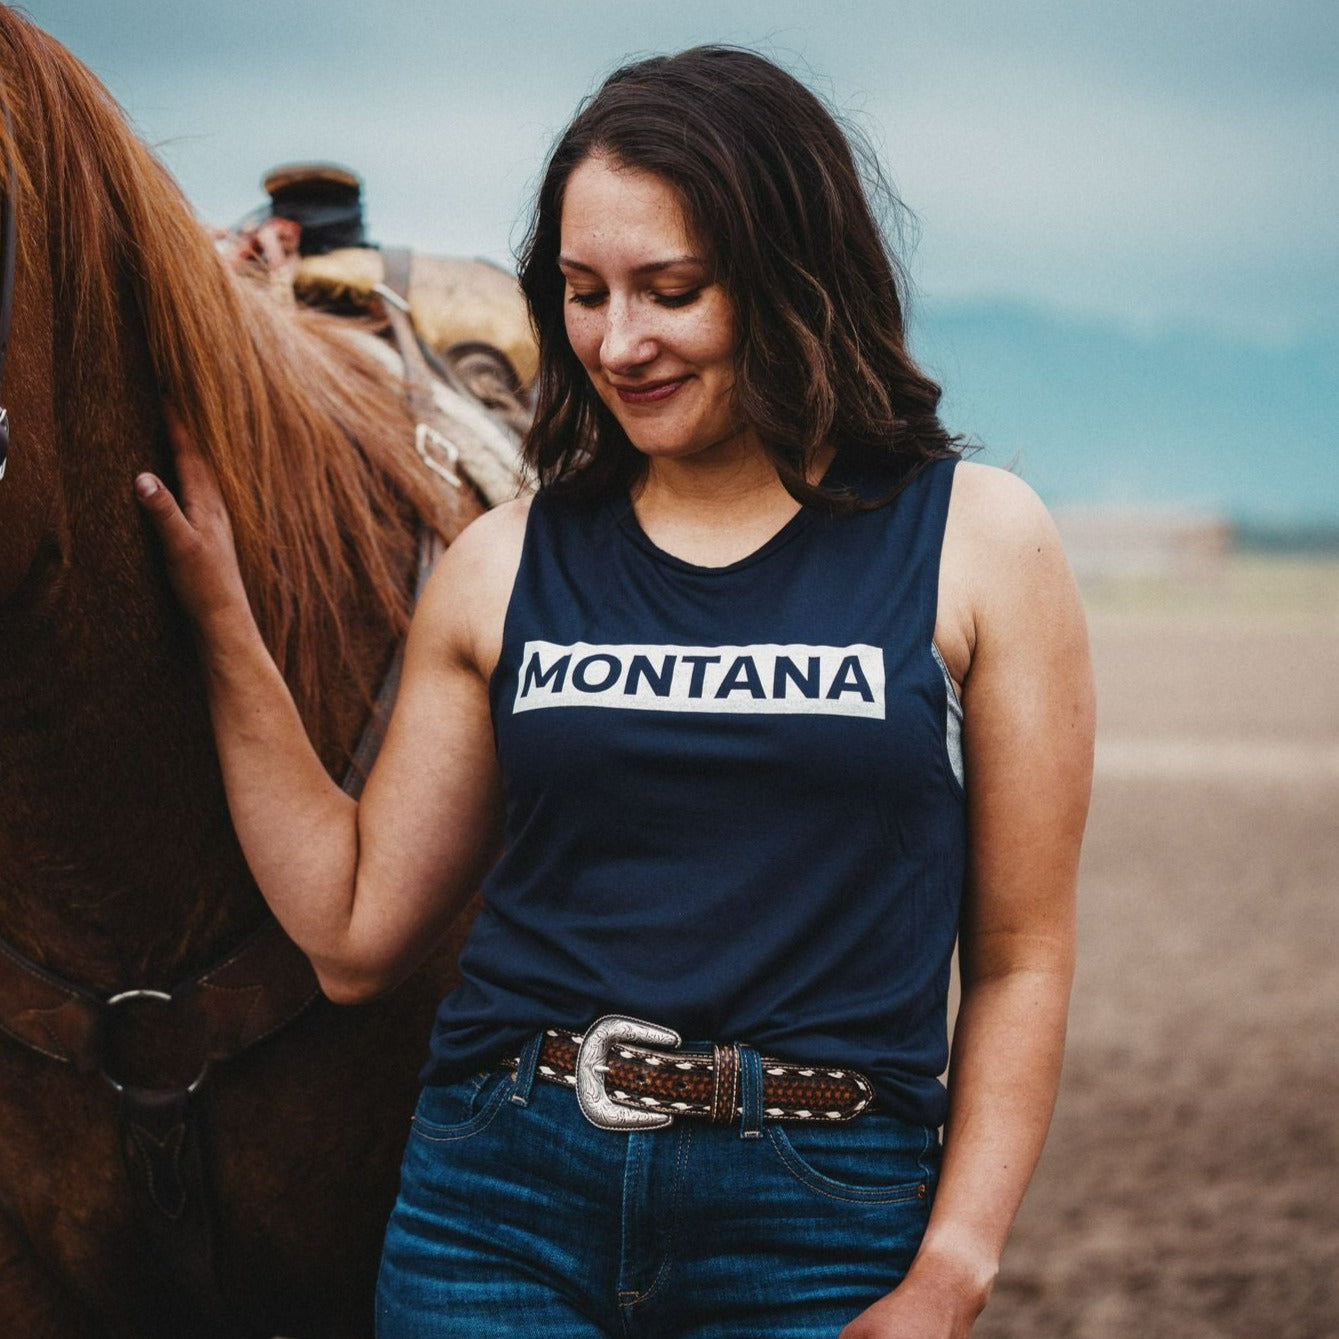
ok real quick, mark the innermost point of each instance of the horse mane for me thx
(311, 446)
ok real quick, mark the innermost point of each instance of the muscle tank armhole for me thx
(940, 493)
(952, 720)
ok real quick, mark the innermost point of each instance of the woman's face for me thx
(652, 328)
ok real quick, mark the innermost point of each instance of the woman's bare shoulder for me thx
(991, 506)
(999, 531)
(488, 551)
(465, 602)
(1003, 563)
(499, 530)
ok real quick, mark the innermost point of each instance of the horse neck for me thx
(117, 862)
(118, 865)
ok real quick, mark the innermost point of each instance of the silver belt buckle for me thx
(593, 1064)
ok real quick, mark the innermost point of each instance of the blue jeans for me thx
(517, 1217)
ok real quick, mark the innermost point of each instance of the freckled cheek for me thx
(715, 336)
(584, 337)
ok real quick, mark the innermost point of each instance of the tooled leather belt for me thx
(630, 1075)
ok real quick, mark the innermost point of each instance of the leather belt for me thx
(632, 1075)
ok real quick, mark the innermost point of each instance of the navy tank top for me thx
(730, 805)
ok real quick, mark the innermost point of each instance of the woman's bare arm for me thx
(1012, 629)
(365, 889)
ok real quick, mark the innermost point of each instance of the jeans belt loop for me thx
(525, 1070)
(750, 1093)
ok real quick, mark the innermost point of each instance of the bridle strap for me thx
(8, 240)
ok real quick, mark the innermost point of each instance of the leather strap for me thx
(434, 446)
(260, 986)
(396, 263)
(162, 1136)
(249, 996)
(431, 546)
(55, 1017)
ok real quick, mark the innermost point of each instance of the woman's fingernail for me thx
(146, 485)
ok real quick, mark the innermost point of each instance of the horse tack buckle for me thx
(592, 1065)
(437, 452)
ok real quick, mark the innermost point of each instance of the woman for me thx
(763, 700)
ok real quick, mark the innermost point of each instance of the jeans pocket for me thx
(875, 1159)
(458, 1110)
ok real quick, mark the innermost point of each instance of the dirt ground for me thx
(1190, 1188)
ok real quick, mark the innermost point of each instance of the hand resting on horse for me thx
(198, 542)
(365, 888)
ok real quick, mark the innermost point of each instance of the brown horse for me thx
(118, 866)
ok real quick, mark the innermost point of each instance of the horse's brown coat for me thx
(118, 866)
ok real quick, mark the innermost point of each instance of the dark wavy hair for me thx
(769, 183)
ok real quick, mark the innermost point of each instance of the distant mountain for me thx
(1095, 415)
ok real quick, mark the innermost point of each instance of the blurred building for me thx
(1107, 544)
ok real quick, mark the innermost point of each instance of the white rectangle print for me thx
(766, 678)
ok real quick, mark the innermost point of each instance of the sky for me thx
(1149, 187)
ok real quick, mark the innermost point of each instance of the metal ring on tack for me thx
(158, 997)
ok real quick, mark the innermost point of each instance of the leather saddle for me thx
(310, 241)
